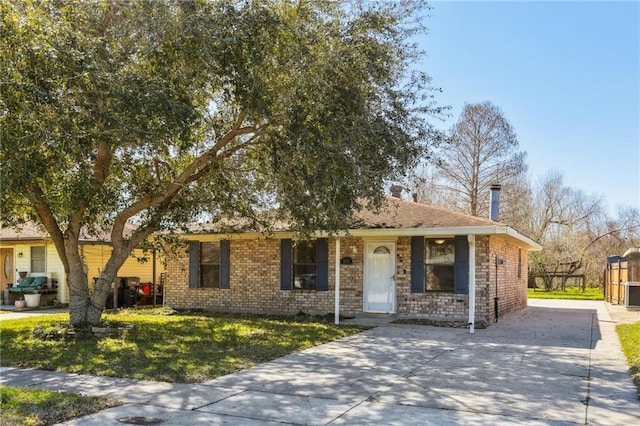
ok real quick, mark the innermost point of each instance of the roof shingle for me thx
(398, 213)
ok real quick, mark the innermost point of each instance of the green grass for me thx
(183, 348)
(29, 406)
(629, 335)
(574, 293)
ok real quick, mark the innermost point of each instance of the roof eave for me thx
(21, 240)
(505, 231)
(632, 253)
(450, 230)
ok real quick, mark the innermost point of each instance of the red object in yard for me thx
(146, 289)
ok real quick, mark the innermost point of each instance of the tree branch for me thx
(49, 221)
(190, 174)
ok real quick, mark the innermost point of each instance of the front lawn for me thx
(573, 293)
(629, 335)
(29, 406)
(184, 348)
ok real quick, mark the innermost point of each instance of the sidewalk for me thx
(553, 363)
(13, 313)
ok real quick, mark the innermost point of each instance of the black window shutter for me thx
(194, 264)
(417, 264)
(461, 269)
(285, 264)
(225, 264)
(322, 266)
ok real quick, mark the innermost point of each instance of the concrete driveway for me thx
(555, 362)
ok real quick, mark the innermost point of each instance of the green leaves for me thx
(164, 112)
(160, 83)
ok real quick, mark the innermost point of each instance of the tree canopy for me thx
(161, 112)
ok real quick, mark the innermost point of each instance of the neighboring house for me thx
(31, 251)
(410, 259)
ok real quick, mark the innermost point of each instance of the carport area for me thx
(555, 362)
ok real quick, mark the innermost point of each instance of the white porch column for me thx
(472, 282)
(337, 284)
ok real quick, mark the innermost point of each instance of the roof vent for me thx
(396, 191)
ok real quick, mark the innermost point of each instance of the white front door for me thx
(379, 277)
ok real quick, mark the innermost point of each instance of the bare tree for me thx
(567, 222)
(610, 236)
(482, 150)
(428, 187)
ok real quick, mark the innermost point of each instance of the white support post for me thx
(337, 284)
(472, 282)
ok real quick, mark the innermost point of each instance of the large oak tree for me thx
(159, 113)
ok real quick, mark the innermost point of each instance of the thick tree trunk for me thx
(86, 308)
(79, 301)
(84, 313)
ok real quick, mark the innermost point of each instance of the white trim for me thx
(337, 284)
(382, 233)
(448, 231)
(472, 282)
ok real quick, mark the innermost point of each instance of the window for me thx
(304, 265)
(7, 266)
(439, 261)
(381, 250)
(38, 259)
(209, 264)
(440, 264)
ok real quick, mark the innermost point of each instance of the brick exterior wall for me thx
(255, 283)
(511, 277)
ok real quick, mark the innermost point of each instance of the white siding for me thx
(53, 268)
(23, 263)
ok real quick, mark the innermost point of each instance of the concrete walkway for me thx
(555, 362)
(10, 312)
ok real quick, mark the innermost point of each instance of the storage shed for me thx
(622, 279)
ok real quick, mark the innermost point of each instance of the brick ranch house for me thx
(409, 259)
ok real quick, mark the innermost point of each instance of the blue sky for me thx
(565, 74)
